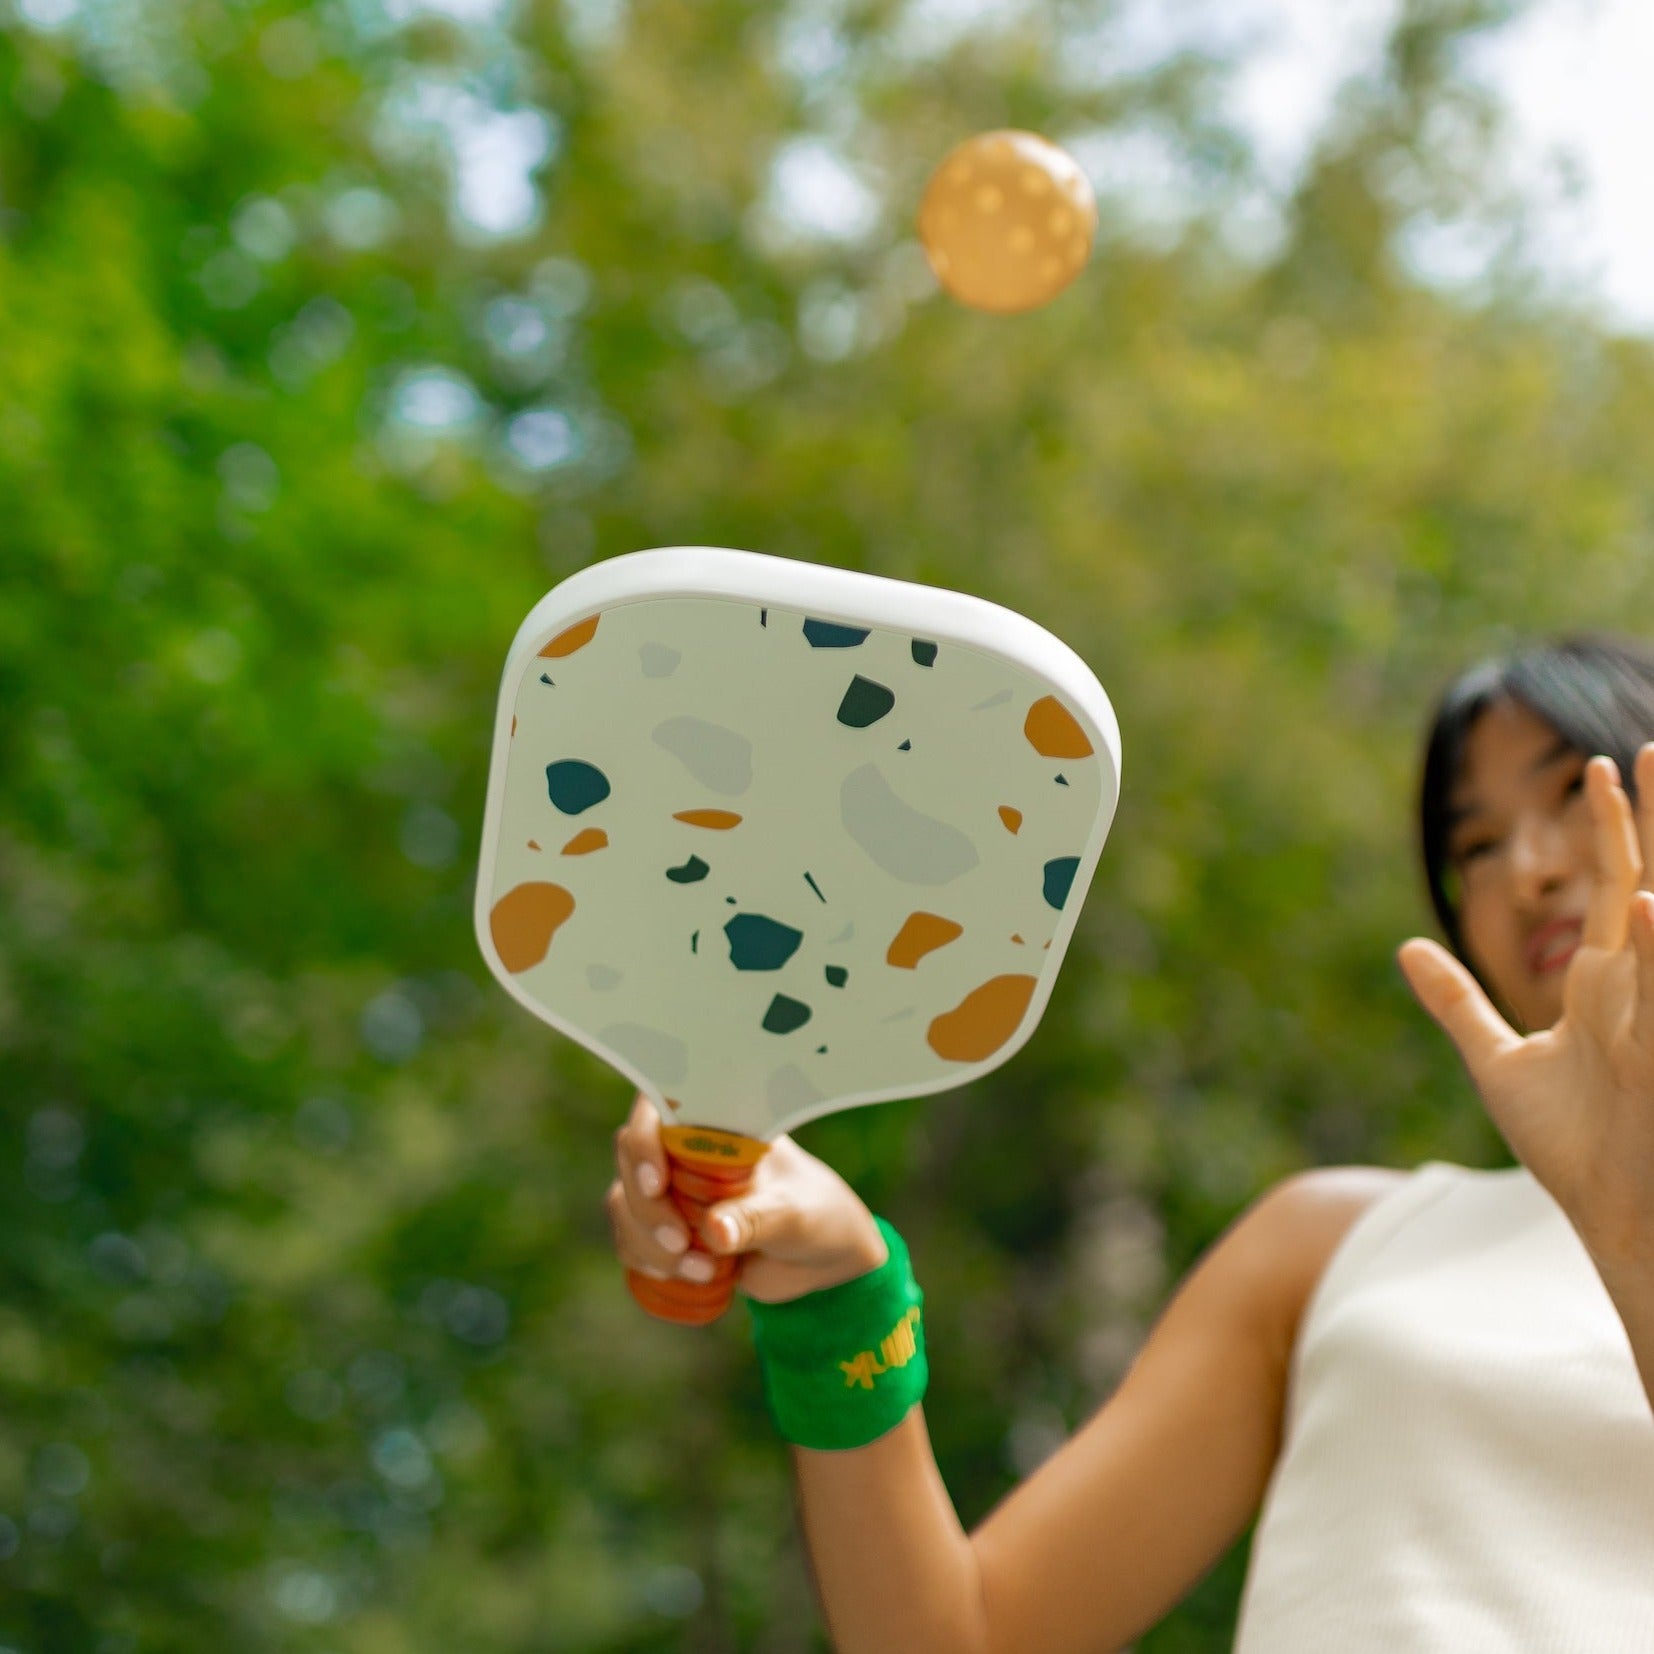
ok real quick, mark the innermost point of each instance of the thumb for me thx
(742, 1225)
(1455, 999)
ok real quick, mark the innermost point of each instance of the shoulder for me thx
(1291, 1232)
(1250, 1289)
(1328, 1199)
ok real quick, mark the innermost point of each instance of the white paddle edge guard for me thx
(822, 593)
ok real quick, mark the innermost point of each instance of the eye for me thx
(1476, 847)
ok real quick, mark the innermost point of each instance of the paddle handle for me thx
(703, 1166)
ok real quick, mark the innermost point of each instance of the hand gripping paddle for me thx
(775, 839)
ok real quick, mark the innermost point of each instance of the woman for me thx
(1438, 1387)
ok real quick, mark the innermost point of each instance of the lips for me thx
(1552, 946)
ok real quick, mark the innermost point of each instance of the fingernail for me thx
(648, 1180)
(696, 1267)
(672, 1239)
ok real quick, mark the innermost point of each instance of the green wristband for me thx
(844, 1365)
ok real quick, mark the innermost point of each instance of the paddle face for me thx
(768, 861)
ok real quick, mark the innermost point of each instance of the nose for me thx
(1541, 856)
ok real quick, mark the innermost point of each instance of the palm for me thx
(1575, 1102)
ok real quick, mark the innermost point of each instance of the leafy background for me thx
(310, 1334)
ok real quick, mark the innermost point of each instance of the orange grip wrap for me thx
(703, 1166)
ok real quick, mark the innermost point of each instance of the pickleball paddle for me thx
(775, 839)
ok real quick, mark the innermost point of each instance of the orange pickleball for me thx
(1007, 220)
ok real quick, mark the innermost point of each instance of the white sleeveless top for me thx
(1468, 1465)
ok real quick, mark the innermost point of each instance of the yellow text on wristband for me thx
(897, 1347)
(844, 1365)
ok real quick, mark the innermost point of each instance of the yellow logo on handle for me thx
(711, 1145)
(701, 1144)
(897, 1348)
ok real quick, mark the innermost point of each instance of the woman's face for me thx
(1519, 836)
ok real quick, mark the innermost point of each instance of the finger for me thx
(630, 1244)
(631, 1169)
(750, 1225)
(1642, 940)
(659, 1251)
(1618, 856)
(1643, 773)
(639, 1142)
(1455, 999)
(640, 1160)
(649, 1153)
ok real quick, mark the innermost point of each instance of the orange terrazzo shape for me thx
(585, 841)
(524, 920)
(983, 1020)
(1053, 732)
(718, 820)
(921, 933)
(576, 637)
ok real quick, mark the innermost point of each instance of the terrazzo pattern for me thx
(738, 850)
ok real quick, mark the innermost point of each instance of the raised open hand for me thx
(1575, 1102)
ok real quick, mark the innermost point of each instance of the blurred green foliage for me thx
(310, 1336)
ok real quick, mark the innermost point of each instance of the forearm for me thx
(1630, 1284)
(894, 1569)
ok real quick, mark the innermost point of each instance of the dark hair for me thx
(1596, 692)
